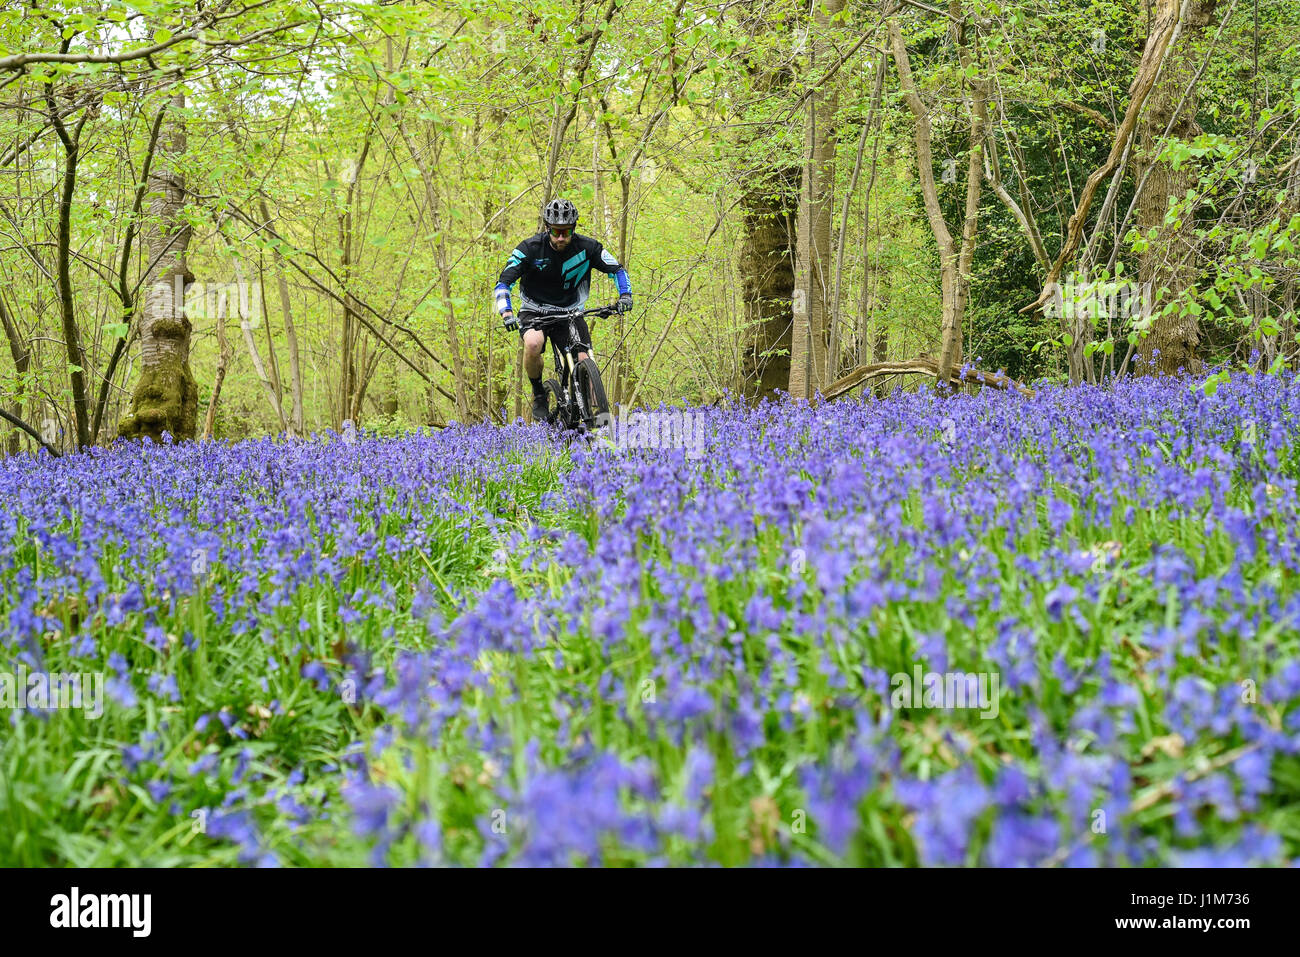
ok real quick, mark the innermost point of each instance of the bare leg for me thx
(534, 339)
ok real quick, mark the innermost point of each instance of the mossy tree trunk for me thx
(1169, 263)
(166, 397)
(767, 281)
(770, 204)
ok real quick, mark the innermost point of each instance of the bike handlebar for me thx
(548, 317)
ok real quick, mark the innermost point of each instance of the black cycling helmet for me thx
(560, 212)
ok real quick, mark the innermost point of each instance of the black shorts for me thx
(558, 332)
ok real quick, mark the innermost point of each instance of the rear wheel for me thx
(591, 394)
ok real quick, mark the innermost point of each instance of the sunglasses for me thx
(559, 232)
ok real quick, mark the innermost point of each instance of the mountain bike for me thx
(579, 394)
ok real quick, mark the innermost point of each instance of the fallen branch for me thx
(928, 367)
(19, 423)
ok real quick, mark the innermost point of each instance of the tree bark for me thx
(954, 260)
(836, 302)
(348, 382)
(67, 308)
(22, 356)
(224, 354)
(166, 396)
(770, 206)
(1163, 30)
(1168, 263)
(880, 351)
(1290, 300)
(246, 326)
(767, 280)
(624, 167)
(290, 331)
(809, 363)
(951, 355)
(126, 295)
(922, 366)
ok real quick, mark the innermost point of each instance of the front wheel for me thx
(591, 394)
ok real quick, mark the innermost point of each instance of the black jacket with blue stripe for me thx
(554, 279)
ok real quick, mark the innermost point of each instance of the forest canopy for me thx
(231, 219)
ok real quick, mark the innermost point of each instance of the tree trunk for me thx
(67, 307)
(224, 354)
(950, 358)
(246, 326)
(1290, 301)
(166, 396)
(350, 380)
(290, 331)
(954, 260)
(812, 272)
(880, 351)
(770, 206)
(1168, 263)
(875, 293)
(621, 348)
(841, 244)
(444, 274)
(767, 279)
(22, 356)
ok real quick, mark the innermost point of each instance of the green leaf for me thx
(117, 330)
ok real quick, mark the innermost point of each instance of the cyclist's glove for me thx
(510, 321)
(625, 302)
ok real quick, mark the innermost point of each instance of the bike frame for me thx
(566, 358)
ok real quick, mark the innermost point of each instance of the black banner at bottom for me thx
(361, 907)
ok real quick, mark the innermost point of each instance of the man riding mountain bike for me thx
(553, 268)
